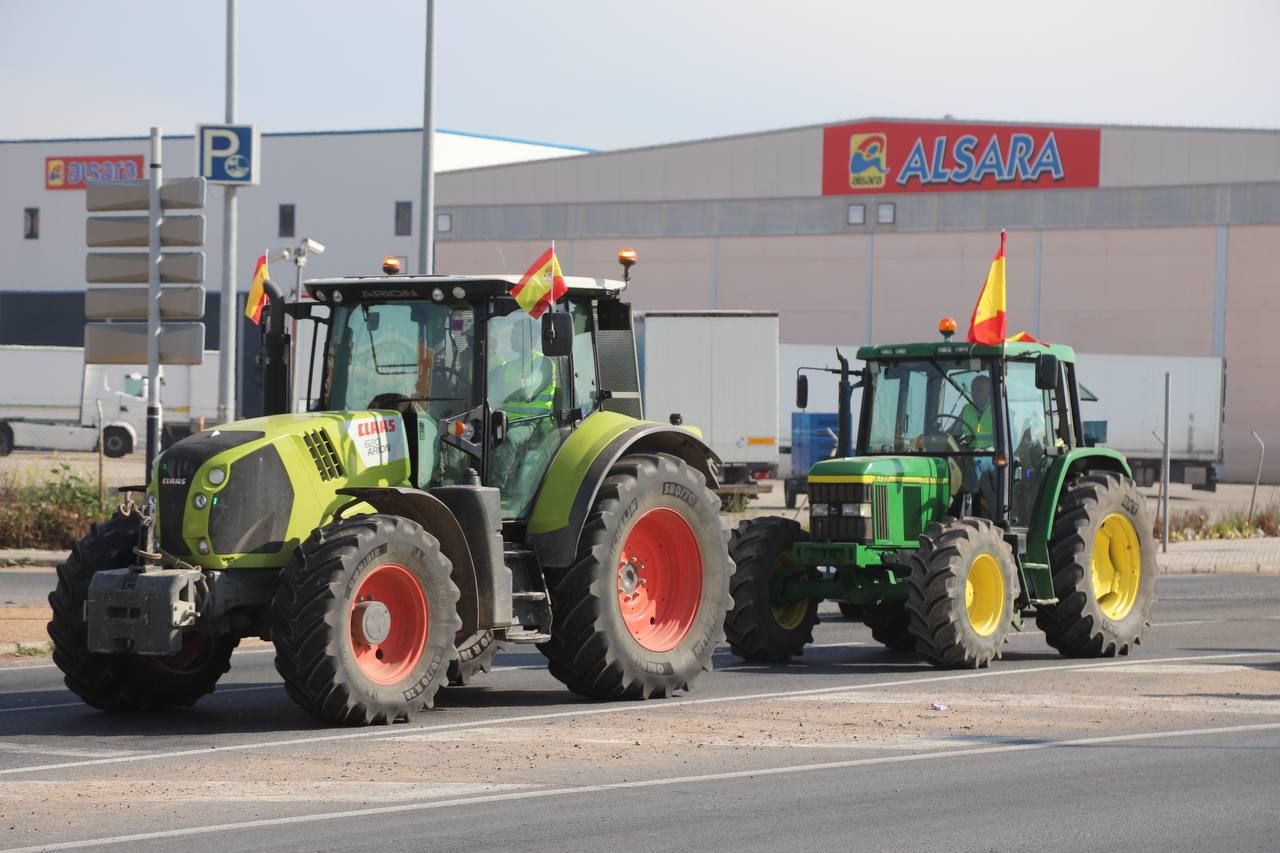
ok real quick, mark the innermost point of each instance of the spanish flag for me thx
(987, 324)
(541, 285)
(257, 293)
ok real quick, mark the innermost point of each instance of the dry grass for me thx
(1192, 525)
(50, 511)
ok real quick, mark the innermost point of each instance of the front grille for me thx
(838, 528)
(323, 454)
(880, 511)
(178, 466)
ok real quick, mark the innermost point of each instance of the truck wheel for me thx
(116, 442)
(475, 656)
(789, 490)
(364, 620)
(1103, 556)
(120, 682)
(640, 612)
(960, 592)
(758, 628)
(6, 439)
(890, 625)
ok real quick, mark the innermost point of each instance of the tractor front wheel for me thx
(364, 620)
(890, 625)
(640, 612)
(1103, 556)
(960, 592)
(475, 657)
(759, 627)
(125, 682)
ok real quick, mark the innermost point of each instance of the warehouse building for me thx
(1123, 240)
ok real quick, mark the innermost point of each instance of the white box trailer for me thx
(719, 371)
(1128, 412)
(49, 400)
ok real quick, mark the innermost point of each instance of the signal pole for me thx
(230, 316)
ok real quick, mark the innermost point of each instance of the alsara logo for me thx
(968, 160)
(868, 160)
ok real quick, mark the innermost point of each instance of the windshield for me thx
(927, 406)
(401, 351)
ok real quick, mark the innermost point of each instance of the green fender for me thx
(1074, 462)
(573, 480)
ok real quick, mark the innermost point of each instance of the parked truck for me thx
(719, 370)
(49, 400)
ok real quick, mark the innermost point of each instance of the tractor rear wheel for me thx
(890, 625)
(124, 682)
(960, 592)
(640, 612)
(1104, 568)
(758, 627)
(364, 620)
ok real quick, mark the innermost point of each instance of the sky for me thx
(611, 74)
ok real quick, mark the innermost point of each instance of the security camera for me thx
(312, 246)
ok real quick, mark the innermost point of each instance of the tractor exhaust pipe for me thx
(275, 355)
(844, 416)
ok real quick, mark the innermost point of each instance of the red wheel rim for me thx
(660, 579)
(388, 624)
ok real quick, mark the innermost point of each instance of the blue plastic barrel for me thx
(813, 438)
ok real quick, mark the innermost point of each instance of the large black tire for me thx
(757, 629)
(890, 625)
(354, 643)
(849, 611)
(6, 439)
(1088, 621)
(116, 442)
(475, 657)
(614, 636)
(120, 682)
(953, 628)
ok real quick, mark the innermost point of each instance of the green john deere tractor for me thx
(464, 476)
(970, 499)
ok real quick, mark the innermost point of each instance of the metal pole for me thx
(102, 484)
(230, 314)
(1262, 454)
(427, 209)
(153, 304)
(1164, 473)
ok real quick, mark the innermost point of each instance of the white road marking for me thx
(5, 746)
(549, 793)
(221, 691)
(234, 791)
(618, 708)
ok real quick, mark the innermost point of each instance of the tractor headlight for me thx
(858, 510)
(820, 510)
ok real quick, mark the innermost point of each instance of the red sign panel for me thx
(901, 157)
(73, 173)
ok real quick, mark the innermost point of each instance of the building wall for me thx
(1253, 358)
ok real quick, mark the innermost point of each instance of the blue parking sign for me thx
(227, 153)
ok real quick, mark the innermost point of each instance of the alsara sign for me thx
(903, 157)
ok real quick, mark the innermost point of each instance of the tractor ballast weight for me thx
(969, 498)
(465, 477)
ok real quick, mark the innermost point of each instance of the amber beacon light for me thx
(628, 258)
(391, 265)
(947, 325)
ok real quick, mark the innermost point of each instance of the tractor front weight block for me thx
(143, 612)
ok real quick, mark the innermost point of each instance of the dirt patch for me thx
(24, 624)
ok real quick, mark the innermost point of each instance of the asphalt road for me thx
(26, 587)
(849, 747)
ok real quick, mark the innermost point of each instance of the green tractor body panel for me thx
(277, 480)
(1083, 458)
(904, 494)
(552, 507)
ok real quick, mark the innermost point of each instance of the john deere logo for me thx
(868, 163)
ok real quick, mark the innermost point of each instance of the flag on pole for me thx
(987, 324)
(542, 284)
(257, 293)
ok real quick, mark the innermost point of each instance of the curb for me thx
(13, 648)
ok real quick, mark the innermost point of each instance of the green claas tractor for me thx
(970, 499)
(464, 477)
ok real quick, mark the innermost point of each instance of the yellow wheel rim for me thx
(788, 615)
(984, 595)
(1116, 566)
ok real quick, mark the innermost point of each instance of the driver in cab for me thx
(975, 432)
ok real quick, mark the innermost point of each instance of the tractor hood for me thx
(246, 494)
(916, 470)
(881, 501)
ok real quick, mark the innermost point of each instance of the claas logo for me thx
(868, 160)
(55, 173)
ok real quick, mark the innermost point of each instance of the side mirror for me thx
(802, 391)
(557, 334)
(1047, 372)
